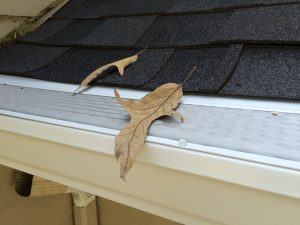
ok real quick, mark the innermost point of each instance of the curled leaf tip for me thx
(120, 64)
(78, 90)
(142, 50)
(117, 95)
(123, 178)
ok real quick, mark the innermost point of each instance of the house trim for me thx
(72, 148)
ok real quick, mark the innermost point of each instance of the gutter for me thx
(170, 178)
(84, 160)
(206, 161)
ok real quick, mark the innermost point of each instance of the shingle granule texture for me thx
(267, 72)
(21, 58)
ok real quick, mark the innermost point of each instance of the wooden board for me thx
(8, 24)
(16, 210)
(112, 213)
(43, 187)
(23, 7)
(86, 215)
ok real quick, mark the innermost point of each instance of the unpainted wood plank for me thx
(8, 24)
(23, 7)
(68, 221)
(16, 210)
(112, 213)
(86, 215)
(50, 210)
(7, 192)
(43, 187)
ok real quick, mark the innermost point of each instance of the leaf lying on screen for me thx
(120, 64)
(161, 102)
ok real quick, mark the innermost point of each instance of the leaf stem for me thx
(189, 75)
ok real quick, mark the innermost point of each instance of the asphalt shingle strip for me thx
(45, 31)
(260, 72)
(20, 58)
(266, 72)
(242, 25)
(74, 32)
(181, 6)
(68, 9)
(214, 65)
(265, 24)
(125, 31)
(184, 30)
(146, 67)
(74, 65)
(97, 9)
(100, 9)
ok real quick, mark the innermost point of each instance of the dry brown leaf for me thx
(120, 64)
(161, 102)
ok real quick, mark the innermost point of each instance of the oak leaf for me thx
(120, 64)
(161, 102)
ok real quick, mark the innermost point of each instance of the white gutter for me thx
(84, 160)
(170, 179)
(261, 159)
(203, 163)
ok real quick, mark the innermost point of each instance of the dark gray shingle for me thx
(97, 9)
(214, 65)
(184, 30)
(209, 5)
(176, 42)
(74, 32)
(266, 72)
(123, 31)
(269, 24)
(68, 9)
(20, 58)
(146, 67)
(75, 64)
(45, 31)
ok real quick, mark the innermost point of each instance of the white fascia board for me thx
(167, 180)
(260, 172)
(271, 105)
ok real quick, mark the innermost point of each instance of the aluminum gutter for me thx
(72, 156)
(170, 180)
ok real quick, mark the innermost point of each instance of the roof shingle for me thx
(99, 9)
(266, 72)
(184, 30)
(124, 31)
(235, 45)
(269, 24)
(214, 65)
(21, 58)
